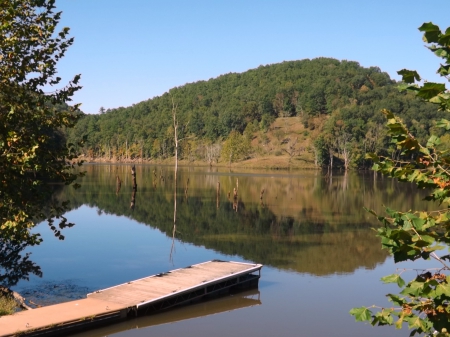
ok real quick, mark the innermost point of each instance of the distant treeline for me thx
(338, 102)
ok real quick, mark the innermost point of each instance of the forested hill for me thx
(336, 102)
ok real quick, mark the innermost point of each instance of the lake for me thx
(308, 228)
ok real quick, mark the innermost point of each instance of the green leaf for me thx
(417, 323)
(383, 317)
(434, 248)
(393, 278)
(361, 314)
(432, 32)
(409, 76)
(429, 90)
(433, 141)
(443, 123)
(405, 86)
(396, 299)
(398, 323)
(443, 289)
(428, 239)
(414, 288)
(444, 69)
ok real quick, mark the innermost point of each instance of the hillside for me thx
(307, 113)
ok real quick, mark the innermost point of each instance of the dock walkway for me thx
(146, 295)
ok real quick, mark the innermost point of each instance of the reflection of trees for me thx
(15, 266)
(174, 228)
(316, 240)
(314, 253)
(118, 185)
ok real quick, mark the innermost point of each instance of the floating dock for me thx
(144, 296)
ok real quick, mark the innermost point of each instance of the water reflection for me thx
(304, 222)
(220, 305)
(118, 185)
(174, 229)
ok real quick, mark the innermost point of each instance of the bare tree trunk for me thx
(330, 153)
(175, 127)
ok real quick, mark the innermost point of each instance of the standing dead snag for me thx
(175, 130)
(133, 174)
(235, 200)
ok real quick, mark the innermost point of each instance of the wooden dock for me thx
(143, 296)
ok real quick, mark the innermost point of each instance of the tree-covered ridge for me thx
(337, 101)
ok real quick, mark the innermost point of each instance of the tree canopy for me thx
(338, 101)
(33, 151)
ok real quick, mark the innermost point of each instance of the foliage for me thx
(8, 305)
(33, 151)
(423, 302)
(341, 94)
(235, 147)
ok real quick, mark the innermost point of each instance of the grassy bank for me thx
(8, 305)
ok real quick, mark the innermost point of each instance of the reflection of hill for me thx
(318, 254)
(307, 223)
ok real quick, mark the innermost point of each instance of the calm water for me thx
(310, 231)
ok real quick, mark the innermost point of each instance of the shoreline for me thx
(265, 163)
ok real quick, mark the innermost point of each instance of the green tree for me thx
(424, 301)
(33, 151)
(235, 147)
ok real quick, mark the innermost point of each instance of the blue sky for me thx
(130, 51)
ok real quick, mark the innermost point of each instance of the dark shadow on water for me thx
(15, 265)
(48, 293)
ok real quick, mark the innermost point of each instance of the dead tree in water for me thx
(133, 194)
(235, 200)
(133, 174)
